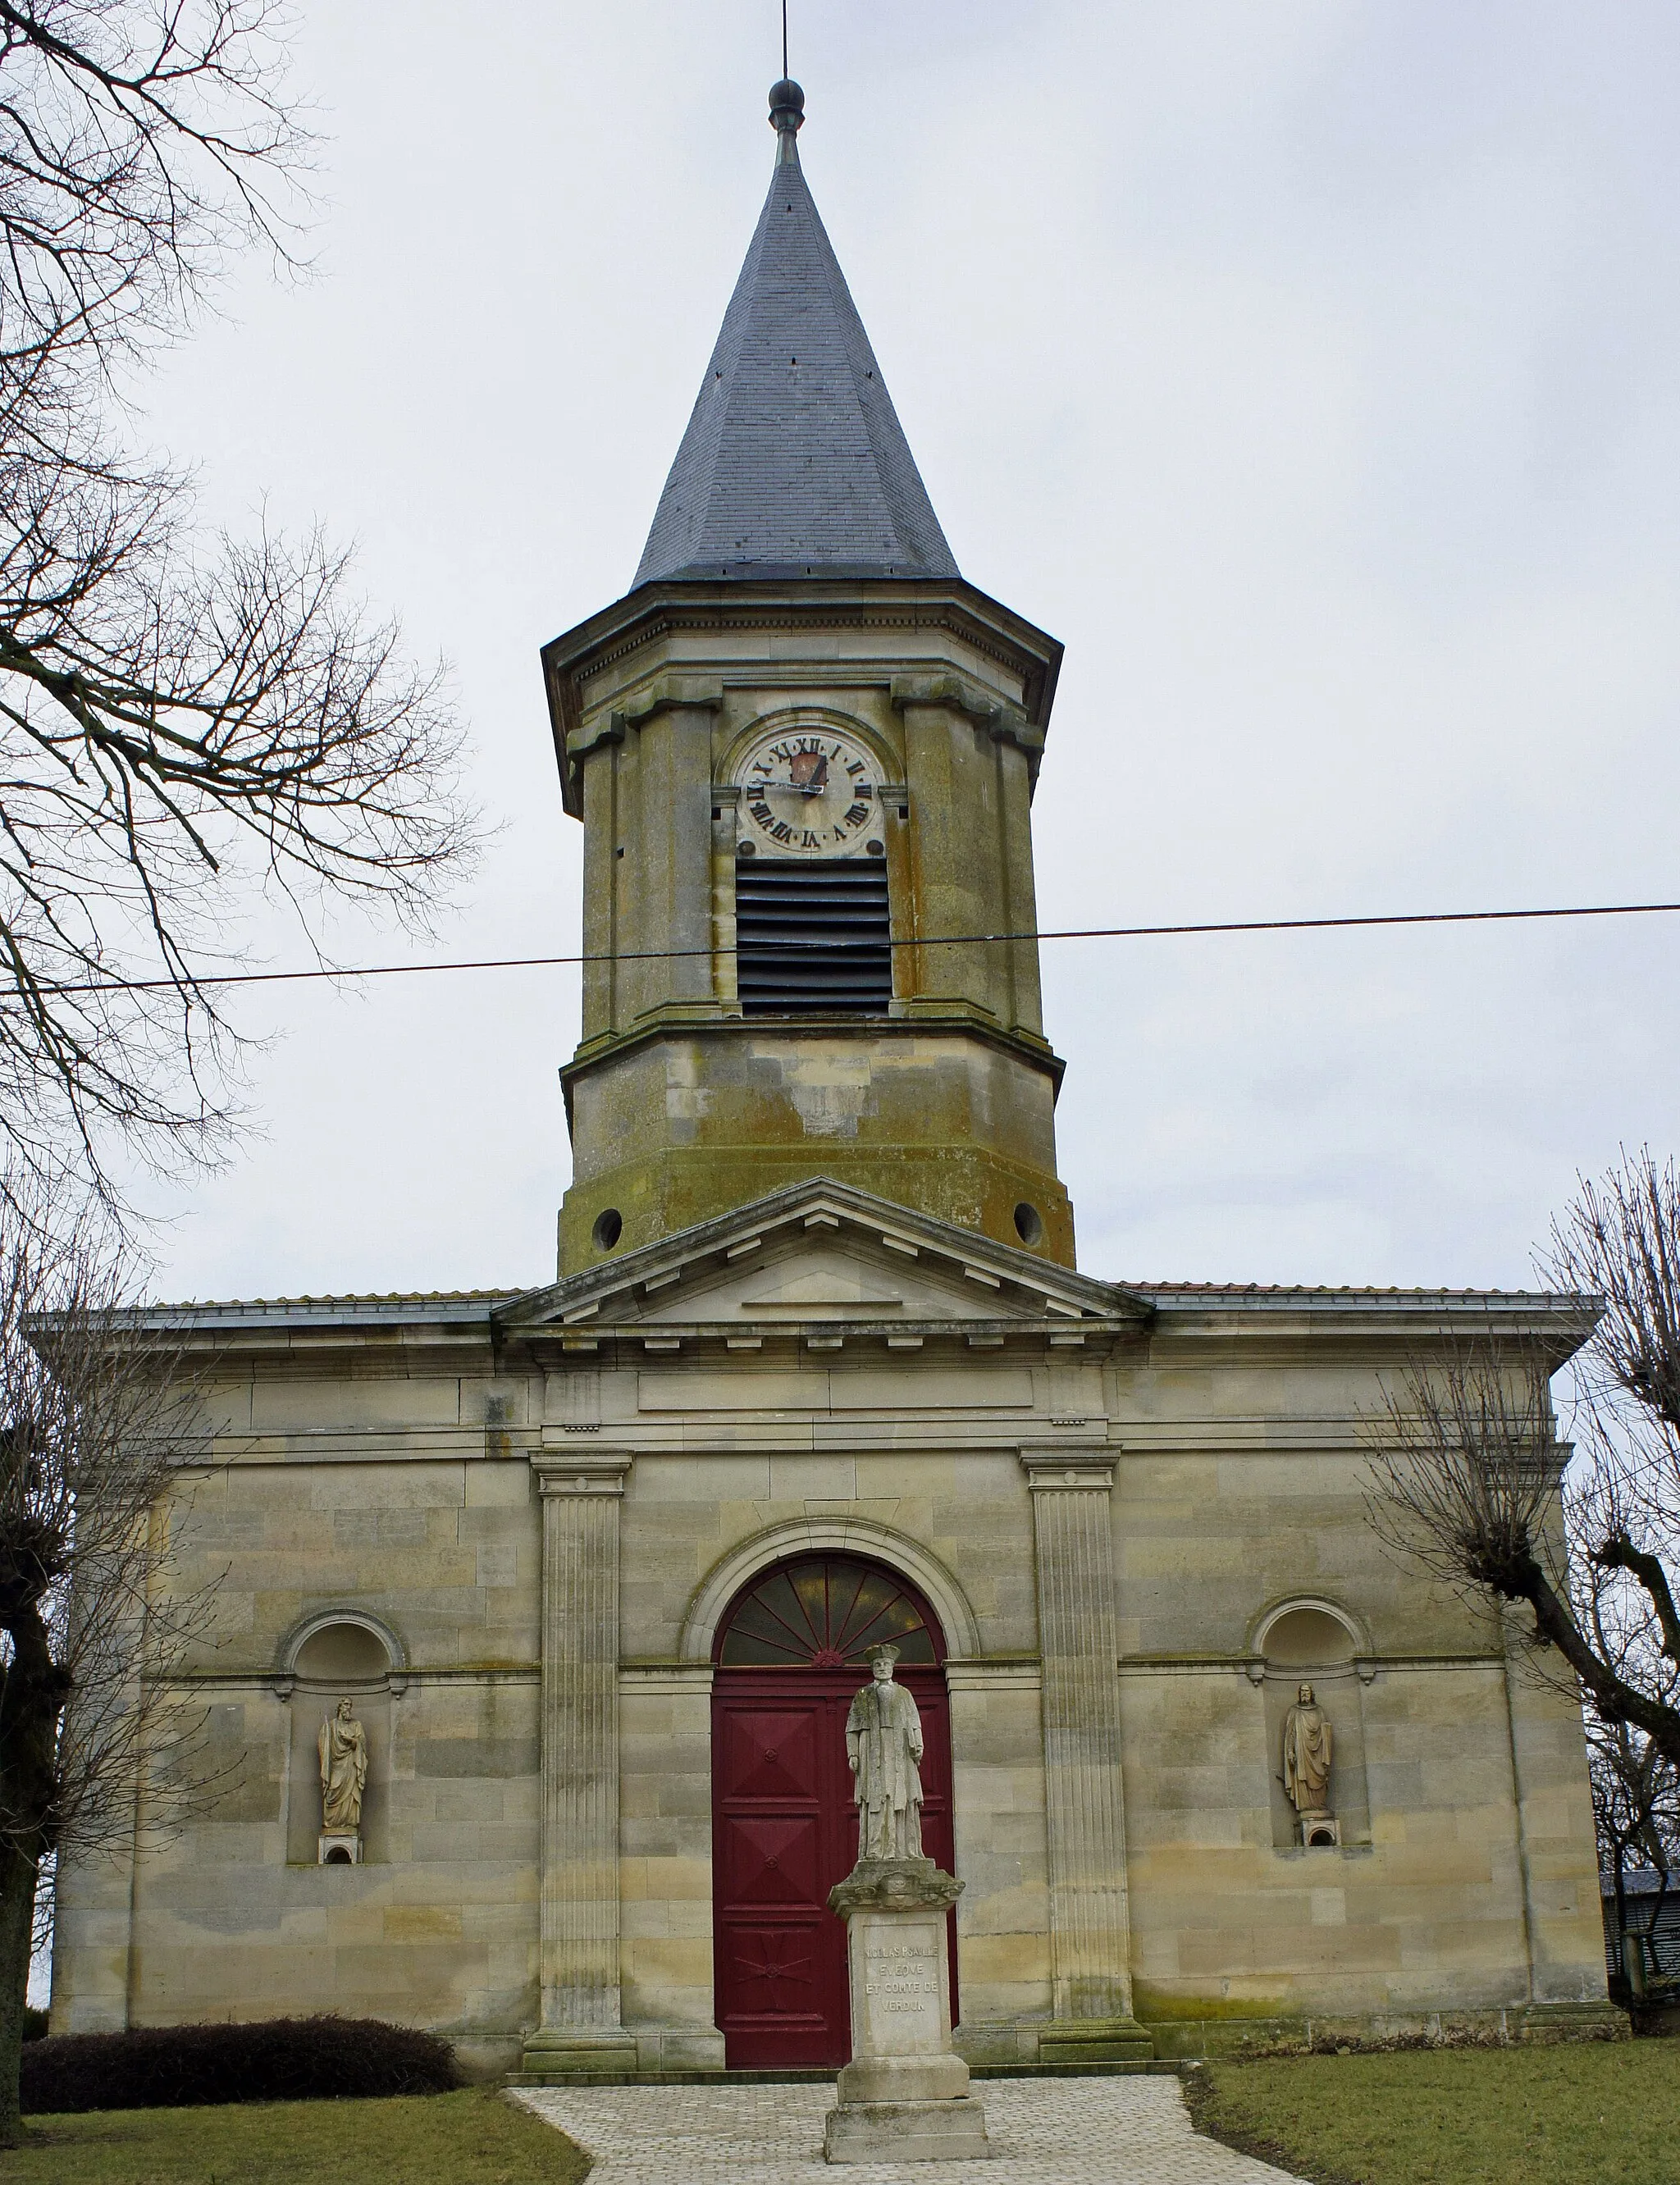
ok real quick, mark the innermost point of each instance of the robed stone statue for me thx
(1307, 1741)
(883, 1747)
(343, 1746)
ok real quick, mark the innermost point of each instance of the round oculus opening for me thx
(609, 1226)
(1029, 1226)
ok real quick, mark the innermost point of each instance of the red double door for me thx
(785, 1830)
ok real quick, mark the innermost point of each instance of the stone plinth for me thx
(904, 2096)
(338, 1847)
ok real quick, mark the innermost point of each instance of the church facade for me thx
(598, 1565)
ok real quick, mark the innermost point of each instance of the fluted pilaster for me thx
(1078, 1641)
(579, 1885)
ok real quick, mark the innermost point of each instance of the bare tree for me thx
(98, 1426)
(1636, 1809)
(170, 730)
(1468, 1476)
(183, 721)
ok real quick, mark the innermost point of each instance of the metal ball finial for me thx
(786, 106)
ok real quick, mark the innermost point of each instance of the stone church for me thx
(597, 1564)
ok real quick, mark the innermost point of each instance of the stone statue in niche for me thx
(1309, 1745)
(884, 1750)
(343, 1749)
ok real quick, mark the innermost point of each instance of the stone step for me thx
(1101, 2068)
(1099, 2052)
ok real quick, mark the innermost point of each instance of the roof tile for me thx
(794, 462)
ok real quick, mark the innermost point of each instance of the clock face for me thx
(809, 793)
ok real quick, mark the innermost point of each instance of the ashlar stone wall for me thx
(1116, 1539)
(351, 1477)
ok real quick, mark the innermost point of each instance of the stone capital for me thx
(894, 1885)
(1052, 1469)
(563, 1468)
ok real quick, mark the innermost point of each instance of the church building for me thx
(538, 1611)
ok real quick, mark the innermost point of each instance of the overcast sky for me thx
(1309, 369)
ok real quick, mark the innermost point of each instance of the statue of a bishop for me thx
(883, 1747)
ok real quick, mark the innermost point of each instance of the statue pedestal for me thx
(904, 2096)
(338, 1847)
(1320, 1828)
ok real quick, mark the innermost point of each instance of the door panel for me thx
(785, 1831)
(774, 1978)
(770, 1755)
(772, 1860)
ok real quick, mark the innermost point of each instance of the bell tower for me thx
(804, 751)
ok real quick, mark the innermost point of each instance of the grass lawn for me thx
(470, 2138)
(1591, 2113)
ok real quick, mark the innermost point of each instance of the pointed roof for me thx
(794, 461)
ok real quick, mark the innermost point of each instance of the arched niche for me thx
(341, 1647)
(1308, 1630)
(1316, 1641)
(331, 1654)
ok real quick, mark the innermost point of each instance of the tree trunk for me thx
(1653, 1964)
(17, 1932)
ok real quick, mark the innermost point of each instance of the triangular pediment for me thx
(823, 1282)
(816, 1254)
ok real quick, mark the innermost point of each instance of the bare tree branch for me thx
(98, 1424)
(1620, 1241)
(1468, 1481)
(141, 141)
(1618, 1552)
(184, 724)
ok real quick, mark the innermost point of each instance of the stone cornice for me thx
(704, 1020)
(661, 610)
(1252, 1300)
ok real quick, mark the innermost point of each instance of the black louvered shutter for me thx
(812, 937)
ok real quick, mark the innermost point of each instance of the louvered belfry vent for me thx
(782, 909)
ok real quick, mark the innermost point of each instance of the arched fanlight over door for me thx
(826, 1611)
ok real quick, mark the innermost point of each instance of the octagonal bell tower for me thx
(804, 750)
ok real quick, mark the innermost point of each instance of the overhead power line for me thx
(931, 940)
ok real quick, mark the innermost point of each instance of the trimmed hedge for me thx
(274, 2059)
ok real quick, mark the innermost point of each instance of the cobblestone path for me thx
(1044, 2132)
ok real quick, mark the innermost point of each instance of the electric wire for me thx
(188, 981)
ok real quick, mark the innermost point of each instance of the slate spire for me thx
(794, 462)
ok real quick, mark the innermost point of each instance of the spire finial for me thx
(787, 116)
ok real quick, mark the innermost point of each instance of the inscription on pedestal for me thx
(905, 1976)
(904, 2096)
